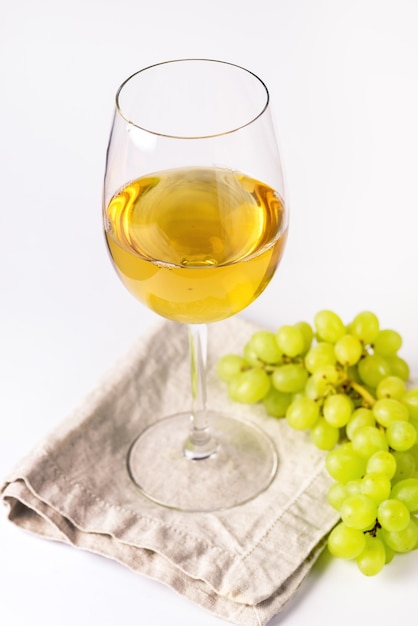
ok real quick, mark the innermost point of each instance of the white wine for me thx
(196, 245)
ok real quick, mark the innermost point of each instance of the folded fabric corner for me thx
(243, 564)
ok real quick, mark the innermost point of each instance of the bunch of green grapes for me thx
(346, 385)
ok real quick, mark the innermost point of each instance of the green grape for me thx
(320, 355)
(372, 559)
(250, 356)
(336, 495)
(368, 440)
(249, 387)
(405, 465)
(317, 387)
(403, 540)
(337, 410)
(389, 553)
(290, 340)
(407, 492)
(359, 512)
(410, 399)
(352, 374)
(414, 449)
(354, 487)
(345, 542)
(276, 402)
(391, 387)
(302, 413)
(348, 350)
(388, 410)
(264, 345)
(329, 373)
(387, 342)
(365, 326)
(229, 365)
(290, 378)
(401, 435)
(373, 368)
(322, 382)
(329, 327)
(299, 394)
(398, 367)
(376, 486)
(307, 334)
(323, 435)
(393, 515)
(414, 521)
(343, 464)
(382, 462)
(360, 417)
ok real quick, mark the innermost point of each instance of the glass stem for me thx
(200, 444)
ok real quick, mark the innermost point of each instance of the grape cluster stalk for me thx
(347, 386)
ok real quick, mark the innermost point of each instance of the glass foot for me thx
(240, 466)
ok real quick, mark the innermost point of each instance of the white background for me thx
(343, 77)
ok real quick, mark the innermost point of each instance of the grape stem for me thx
(373, 531)
(363, 393)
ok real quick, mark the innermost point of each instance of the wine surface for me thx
(196, 245)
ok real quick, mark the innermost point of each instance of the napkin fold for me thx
(242, 564)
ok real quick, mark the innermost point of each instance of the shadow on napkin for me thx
(243, 564)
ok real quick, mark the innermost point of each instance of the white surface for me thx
(344, 83)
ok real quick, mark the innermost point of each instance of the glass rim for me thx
(191, 137)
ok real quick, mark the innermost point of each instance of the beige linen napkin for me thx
(242, 564)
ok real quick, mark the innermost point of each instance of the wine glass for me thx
(195, 223)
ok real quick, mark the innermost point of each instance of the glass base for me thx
(242, 465)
